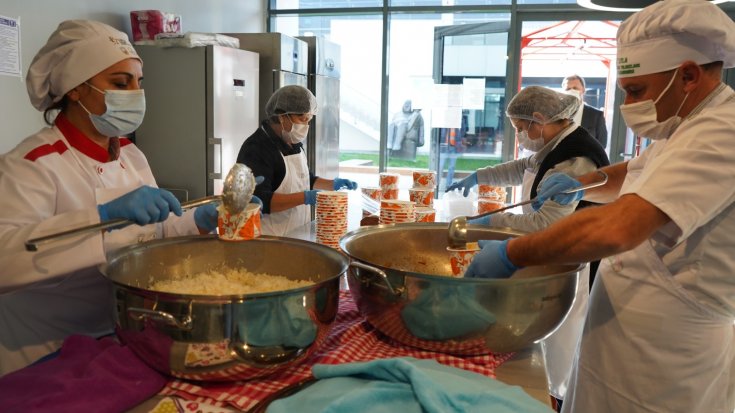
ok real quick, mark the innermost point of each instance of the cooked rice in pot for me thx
(227, 281)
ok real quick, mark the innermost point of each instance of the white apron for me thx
(649, 346)
(560, 347)
(295, 180)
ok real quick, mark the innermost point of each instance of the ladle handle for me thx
(601, 182)
(32, 244)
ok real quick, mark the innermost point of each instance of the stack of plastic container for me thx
(331, 217)
(490, 198)
(422, 194)
(388, 185)
(394, 211)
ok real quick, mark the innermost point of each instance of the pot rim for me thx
(364, 231)
(113, 257)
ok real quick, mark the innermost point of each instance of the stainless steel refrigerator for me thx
(323, 81)
(283, 61)
(201, 105)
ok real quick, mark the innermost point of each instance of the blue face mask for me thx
(124, 114)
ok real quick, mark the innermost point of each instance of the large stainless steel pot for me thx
(400, 280)
(225, 337)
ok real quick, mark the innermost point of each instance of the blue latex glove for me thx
(480, 221)
(143, 206)
(340, 183)
(310, 197)
(553, 187)
(492, 261)
(259, 180)
(466, 183)
(256, 200)
(206, 217)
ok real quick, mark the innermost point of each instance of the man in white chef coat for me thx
(659, 331)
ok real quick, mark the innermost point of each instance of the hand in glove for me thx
(466, 183)
(492, 261)
(480, 221)
(205, 217)
(143, 206)
(259, 180)
(340, 183)
(553, 186)
(310, 197)
(256, 200)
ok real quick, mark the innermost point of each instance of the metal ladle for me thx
(237, 191)
(457, 233)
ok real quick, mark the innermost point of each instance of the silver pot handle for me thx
(375, 270)
(141, 314)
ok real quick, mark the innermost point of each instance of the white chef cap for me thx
(75, 52)
(552, 105)
(665, 34)
(291, 99)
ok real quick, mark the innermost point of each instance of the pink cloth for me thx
(88, 376)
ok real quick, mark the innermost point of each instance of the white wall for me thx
(38, 18)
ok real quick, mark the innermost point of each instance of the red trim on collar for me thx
(80, 141)
(125, 141)
(47, 149)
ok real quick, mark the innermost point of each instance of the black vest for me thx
(576, 144)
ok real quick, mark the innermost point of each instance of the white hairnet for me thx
(667, 33)
(75, 52)
(552, 105)
(291, 99)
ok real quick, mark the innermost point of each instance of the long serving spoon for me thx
(237, 191)
(457, 233)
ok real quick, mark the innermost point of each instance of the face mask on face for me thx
(125, 112)
(641, 117)
(297, 133)
(533, 145)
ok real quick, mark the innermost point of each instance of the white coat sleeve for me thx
(28, 210)
(505, 174)
(551, 211)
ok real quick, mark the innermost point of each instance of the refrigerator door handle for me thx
(216, 172)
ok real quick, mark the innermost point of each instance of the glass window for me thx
(360, 40)
(446, 93)
(448, 2)
(546, 2)
(322, 4)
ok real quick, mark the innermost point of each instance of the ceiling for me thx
(571, 41)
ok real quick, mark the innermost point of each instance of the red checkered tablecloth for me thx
(351, 339)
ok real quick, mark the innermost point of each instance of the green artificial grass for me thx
(421, 162)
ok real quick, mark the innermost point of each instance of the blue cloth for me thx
(553, 187)
(310, 197)
(340, 183)
(405, 385)
(275, 321)
(467, 183)
(143, 206)
(444, 311)
(492, 261)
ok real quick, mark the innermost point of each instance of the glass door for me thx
(467, 115)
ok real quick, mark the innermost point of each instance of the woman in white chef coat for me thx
(275, 151)
(77, 172)
(659, 331)
(542, 120)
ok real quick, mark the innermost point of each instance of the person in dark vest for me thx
(542, 120)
